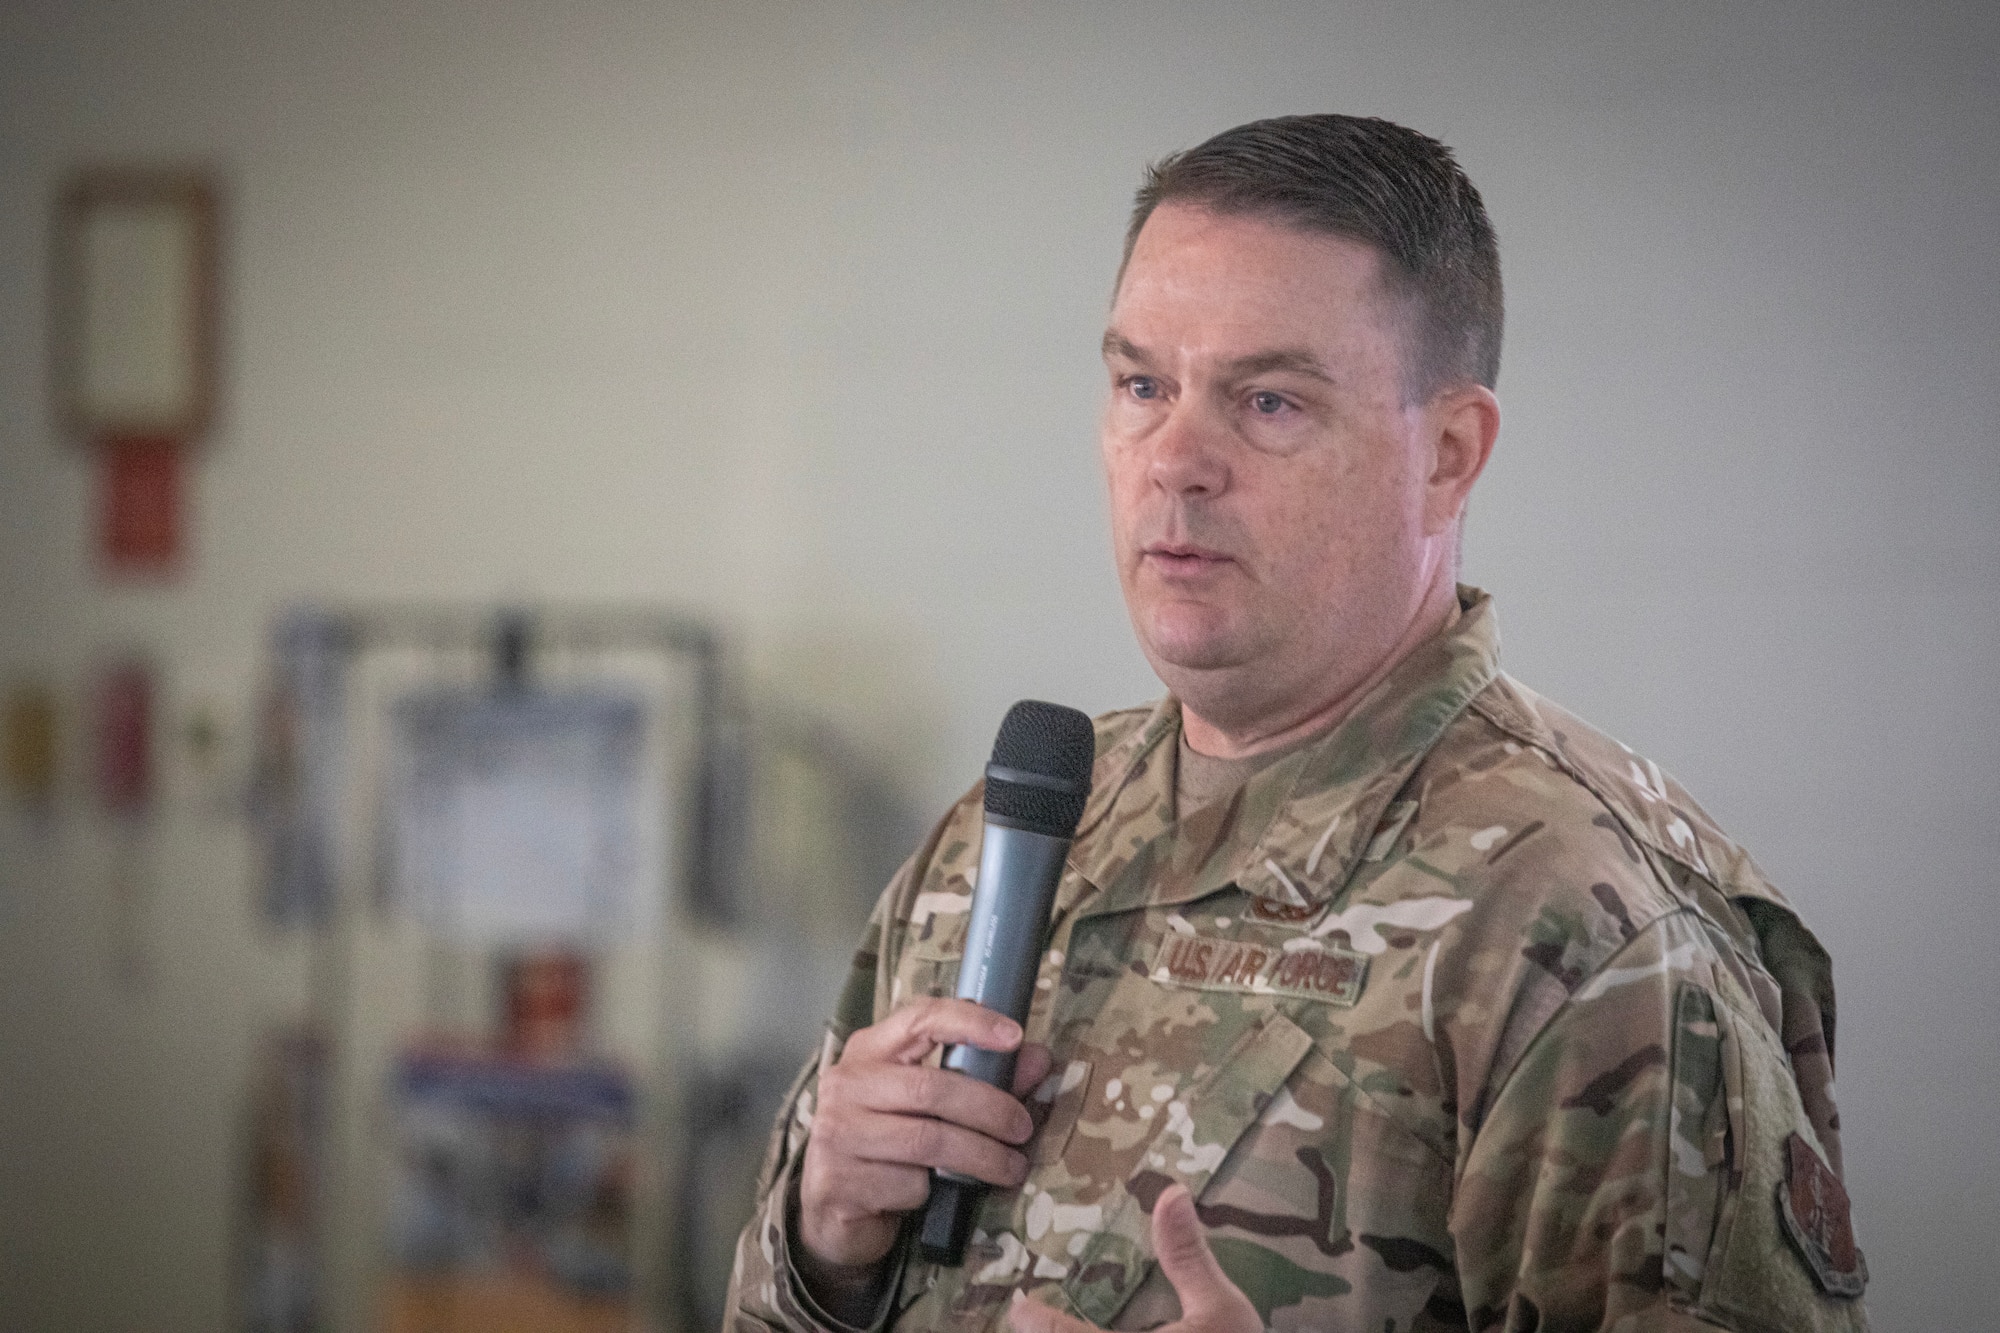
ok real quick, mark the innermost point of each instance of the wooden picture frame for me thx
(133, 304)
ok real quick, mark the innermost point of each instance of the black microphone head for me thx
(1040, 774)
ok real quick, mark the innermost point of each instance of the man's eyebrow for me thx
(1117, 344)
(1296, 360)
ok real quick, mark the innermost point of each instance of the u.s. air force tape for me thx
(1320, 970)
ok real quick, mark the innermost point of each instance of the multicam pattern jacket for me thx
(1463, 1017)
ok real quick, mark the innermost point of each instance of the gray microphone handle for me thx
(1018, 874)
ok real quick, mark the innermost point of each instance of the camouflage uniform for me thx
(1462, 1017)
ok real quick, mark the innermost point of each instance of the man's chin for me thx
(1193, 653)
(1188, 635)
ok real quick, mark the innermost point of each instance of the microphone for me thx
(1036, 786)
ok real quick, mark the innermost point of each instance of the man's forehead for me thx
(1247, 291)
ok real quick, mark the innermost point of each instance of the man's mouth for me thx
(1182, 559)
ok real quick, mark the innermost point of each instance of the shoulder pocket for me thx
(1759, 1273)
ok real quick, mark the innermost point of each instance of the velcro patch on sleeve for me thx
(1305, 969)
(1812, 1204)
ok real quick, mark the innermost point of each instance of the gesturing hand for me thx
(1210, 1302)
(885, 1117)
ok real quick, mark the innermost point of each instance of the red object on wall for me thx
(125, 738)
(139, 517)
(547, 995)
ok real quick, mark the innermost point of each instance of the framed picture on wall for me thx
(133, 304)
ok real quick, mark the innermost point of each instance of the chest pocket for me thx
(1188, 1135)
(1328, 1213)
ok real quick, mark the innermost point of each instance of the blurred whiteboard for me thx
(525, 817)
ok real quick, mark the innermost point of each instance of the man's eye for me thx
(1143, 386)
(1266, 403)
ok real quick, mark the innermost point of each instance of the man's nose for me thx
(1188, 454)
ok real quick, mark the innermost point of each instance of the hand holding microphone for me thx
(885, 1119)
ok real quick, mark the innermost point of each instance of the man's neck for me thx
(1259, 736)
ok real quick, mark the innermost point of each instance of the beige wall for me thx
(785, 313)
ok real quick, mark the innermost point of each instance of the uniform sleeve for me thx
(1635, 1169)
(766, 1290)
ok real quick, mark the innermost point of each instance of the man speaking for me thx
(1379, 992)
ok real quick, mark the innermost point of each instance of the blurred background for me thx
(682, 416)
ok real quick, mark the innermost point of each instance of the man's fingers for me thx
(1031, 1067)
(887, 1114)
(913, 1031)
(1208, 1298)
(910, 1140)
(1026, 1316)
(939, 1094)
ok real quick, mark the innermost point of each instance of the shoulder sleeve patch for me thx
(1812, 1204)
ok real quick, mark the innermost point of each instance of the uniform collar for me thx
(1293, 833)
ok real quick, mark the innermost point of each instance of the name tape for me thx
(1323, 971)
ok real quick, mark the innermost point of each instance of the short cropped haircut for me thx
(1375, 182)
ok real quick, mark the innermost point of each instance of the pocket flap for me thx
(1055, 1106)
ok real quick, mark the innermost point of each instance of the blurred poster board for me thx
(512, 1204)
(525, 817)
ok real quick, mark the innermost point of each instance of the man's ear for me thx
(1464, 423)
